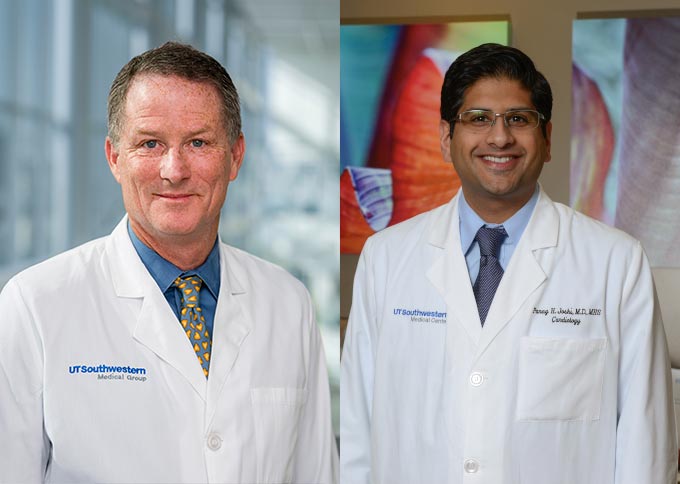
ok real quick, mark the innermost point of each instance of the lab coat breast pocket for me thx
(560, 378)
(276, 413)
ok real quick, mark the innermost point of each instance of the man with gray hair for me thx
(159, 353)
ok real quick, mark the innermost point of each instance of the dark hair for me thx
(174, 59)
(495, 61)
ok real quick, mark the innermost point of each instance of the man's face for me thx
(498, 168)
(174, 160)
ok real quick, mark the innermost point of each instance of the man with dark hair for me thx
(504, 338)
(159, 353)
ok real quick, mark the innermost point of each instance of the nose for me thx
(175, 166)
(499, 134)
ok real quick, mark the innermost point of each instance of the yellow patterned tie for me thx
(192, 319)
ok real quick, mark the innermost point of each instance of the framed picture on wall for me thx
(625, 148)
(390, 83)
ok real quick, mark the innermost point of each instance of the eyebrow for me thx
(518, 108)
(155, 133)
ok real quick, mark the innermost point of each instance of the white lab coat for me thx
(263, 416)
(568, 382)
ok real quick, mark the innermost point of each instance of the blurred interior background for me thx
(58, 60)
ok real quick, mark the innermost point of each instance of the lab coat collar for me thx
(128, 274)
(449, 272)
(157, 328)
(527, 270)
(524, 274)
(233, 323)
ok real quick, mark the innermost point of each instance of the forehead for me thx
(148, 89)
(496, 93)
(155, 100)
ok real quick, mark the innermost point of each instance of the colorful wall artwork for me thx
(390, 83)
(625, 148)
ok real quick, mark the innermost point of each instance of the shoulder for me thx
(68, 268)
(259, 274)
(275, 299)
(589, 234)
(407, 234)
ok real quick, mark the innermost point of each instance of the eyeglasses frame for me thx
(459, 119)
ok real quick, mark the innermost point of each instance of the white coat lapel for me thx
(449, 273)
(232, 325)
(524, 274)
(156, 326)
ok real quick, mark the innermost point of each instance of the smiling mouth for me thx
(498, 159)
(174, 196)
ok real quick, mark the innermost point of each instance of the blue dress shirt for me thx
(470, 223)
(165, 273)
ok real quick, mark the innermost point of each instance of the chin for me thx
(174, 227)
(178, 230)
(503, 187)
(498, 190)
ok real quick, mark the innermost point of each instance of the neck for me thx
(496, 210)
(185, 252)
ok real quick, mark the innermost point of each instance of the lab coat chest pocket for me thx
(276, 414)
(560, 378)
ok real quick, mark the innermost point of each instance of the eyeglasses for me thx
(516, 119)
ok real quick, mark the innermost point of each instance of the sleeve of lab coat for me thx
(24, 447)
(646, 449)
(316, 459)
(356, 378)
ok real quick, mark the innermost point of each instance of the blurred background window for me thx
(59, 58)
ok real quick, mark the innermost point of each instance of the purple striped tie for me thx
(490, 270)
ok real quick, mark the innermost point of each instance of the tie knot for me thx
(193, 282)
(189, 287)
(490, 240)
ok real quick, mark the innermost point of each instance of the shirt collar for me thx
(165, 272)
(470, 222)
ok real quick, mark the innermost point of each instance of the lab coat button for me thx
(214, 441)
(471, 466)
(476, 379)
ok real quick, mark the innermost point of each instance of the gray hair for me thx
(174, 59)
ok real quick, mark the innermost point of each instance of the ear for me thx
(548, 132)
(445, 140)
(112, 157)
(238, 151)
